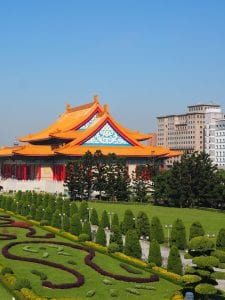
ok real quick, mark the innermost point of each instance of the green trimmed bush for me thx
(174, 261)
(44, 223)
(220, 241)
(94, 217)
(73, 209)
(190, 279)
(133, 291)
(178, 235)
(101, 236)
(87, 229)
(143, 225)
(115, 220)
(66, 223)
(205, 289)
(22, 283)
(144, 287)
(155, 253)
(83, 210)
(132, 245)
(201, 245)
(75, 225)
(40, 274)
(114, 293)
(6, 270)
(220, 255)
(116, 237)
(206, 261)
(156, 231)
(113, 247)
(90, 293)
(130, 269)
(83, 237)
(56, 219)
(107, 281)
(105, 220)
(128, 221)
(196, 229)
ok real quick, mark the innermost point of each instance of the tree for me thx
(87, 166)
(156, 230)
(190, 182)
(66, 223)
(220, 241)
(83, 210)
(155, 253)
(174, 261)
(39, 213)
(128, 221)
(75, 225)
(105, 220)
(101, 236)
(143, 225)
(56, 219)
(116, 237)
(94, 217)
(196, 229)
(178, 235)
(132, 245)
(141, 179)
(74, 180)
(73, 208)
(115, 220)
(99, 173)
(87, 229)
(48, 214)
(66, 207)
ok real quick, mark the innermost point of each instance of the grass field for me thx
(4, 294)
(93, 280)
(211, 221)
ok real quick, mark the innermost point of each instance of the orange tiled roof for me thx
(34, 150)
(70, 119)
(8, 151)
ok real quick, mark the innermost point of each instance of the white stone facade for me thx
(220, 143)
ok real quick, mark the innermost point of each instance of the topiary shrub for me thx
(71, 262)
(113, 247)
(40, 274)
(196, 229)
(107, 281)
(87, 229)
(116, 237)
(6, 270)
(90, 293)
(178, 235)
(155, 253)
(133, 291)
(128, 221)
(101, 236)
(156, 230)
(221, 265)
(132, 245)
(130, 269)
(174, 261)
(44, 223)
(22, 283)
(83, 237)
(105, 220)
(114, 293)
(94, 217)
(205, 289)
(220, 241)
(200, 245)
(143, 225)
(144, 287)
(220, 255)
(206, 261)
(190, 279)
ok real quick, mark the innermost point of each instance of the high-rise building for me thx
(220, 143)
(192, 131)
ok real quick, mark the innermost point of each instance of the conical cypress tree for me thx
(132, 245)
(116, 237)
(83, 211)
(105, 220)
(52, 205)
(39, 213)
(87, 229)
(66, 223)
(128, 221)
(94, 217)
(73, 208)
(101, 236)
(59, 203)
(66, 207)
(220, 241)
(156, 231)
(115, 220)
(178, 235)
(75, 225)
(143, 226)
(155, 253)
(174, 261)
(33, 211)
(56, 219)
(196, 229)
(48, 214)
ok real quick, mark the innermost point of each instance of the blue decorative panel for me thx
(89, 123)
(107, 136)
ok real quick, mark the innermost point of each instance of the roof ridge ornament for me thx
(96, 99)
(68, 107)
(106, 108)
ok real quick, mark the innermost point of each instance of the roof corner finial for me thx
(106, 108)
(96, 99)
(68, 107)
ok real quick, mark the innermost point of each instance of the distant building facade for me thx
(220, 143)
(193, 131)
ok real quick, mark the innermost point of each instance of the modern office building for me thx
(220, 143)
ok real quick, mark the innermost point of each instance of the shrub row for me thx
(175, 278)
(130, 269)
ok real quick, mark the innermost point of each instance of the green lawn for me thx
(4, 294)
(93, 280)
(211, 221)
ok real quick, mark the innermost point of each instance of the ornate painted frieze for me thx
(89, 123)
(107, 136)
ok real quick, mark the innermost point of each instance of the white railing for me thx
(49, 186)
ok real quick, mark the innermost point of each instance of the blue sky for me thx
(144, 58)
